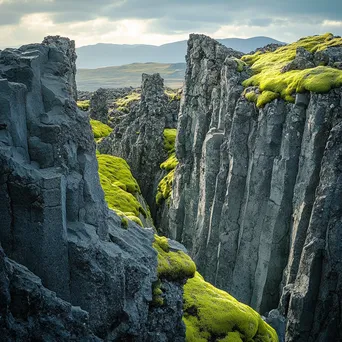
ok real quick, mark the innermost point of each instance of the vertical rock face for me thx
(53, 216)
(99, 106)
(255, 195)
(139, 138)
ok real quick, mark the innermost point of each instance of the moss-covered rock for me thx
(172, 265)
(123, 103)
(83, 105)
(213, 315)
(165, 185)
(100, 129)
(120, 188)
(269, 75)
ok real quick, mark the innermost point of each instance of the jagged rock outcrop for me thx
(54, 219)
(99, 106)
(30, 312)
(256, 192)
(139, 138)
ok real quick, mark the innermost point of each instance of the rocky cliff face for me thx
(139, 138)
(256, 194)
(55, 222)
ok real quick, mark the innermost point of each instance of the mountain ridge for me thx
(103, 55)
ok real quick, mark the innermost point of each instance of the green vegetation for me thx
(170, 139)
(268, 76)
(172, 265)
(156, 294)
(240, 64)
(173, 95)
(165, 185)
(209, 313)
(120, 188)
(129, 75)
(123, 103)
(83, 105)
(213, 315)
(100, 129)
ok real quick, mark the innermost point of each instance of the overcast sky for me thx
(162, 21)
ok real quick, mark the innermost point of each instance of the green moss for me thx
(170, 163)
(124, 222)
(268, 76)
(170, 139)
(251, 96)
(123, 103)
(266, 97)
(173, 95)
(165, 187)
(172, 265)
(157, 299)
(100, 129)
(240, 64)
(120, 188)
(210, 314)
(118, 172)
(83, 105)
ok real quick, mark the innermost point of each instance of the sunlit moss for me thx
(83, 105)
(170, 139)
(165, 185)
(213, 315)
(100, 129)
(123, 103)
(268, 75)
(120, 188)
(172, 265)
(173, 95)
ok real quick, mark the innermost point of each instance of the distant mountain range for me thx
(129, 75)
(104, 55)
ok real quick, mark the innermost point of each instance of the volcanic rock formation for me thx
(257, 192)
(54, 219)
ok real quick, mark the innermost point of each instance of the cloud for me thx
(152, 21)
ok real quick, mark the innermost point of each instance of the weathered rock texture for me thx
(30, 312)
(53, 216)
(139, 138)
(257, 193)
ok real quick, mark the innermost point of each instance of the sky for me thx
(160, 21)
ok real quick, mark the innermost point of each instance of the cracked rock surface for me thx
(257, 192)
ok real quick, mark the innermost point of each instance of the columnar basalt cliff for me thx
(54, 219)
(257, 192)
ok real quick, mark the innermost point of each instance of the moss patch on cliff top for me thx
(213, 315)
(120, 188)
(165, 185)
(268, 76)
(100, 129)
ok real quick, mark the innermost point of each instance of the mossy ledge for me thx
(213, 315)
(83, 105)
(120, 188)
(209, 313)
(169, 165)
(269, 76)
(100, 130)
